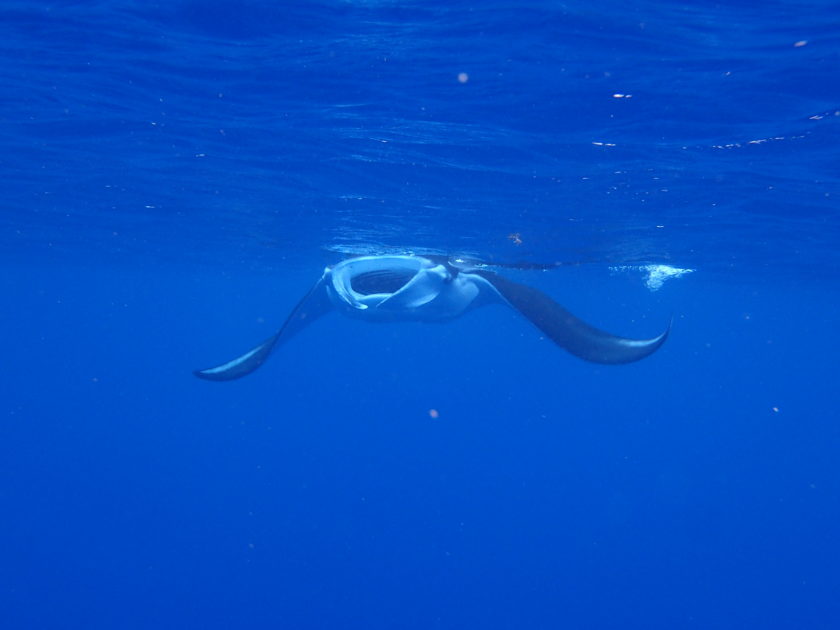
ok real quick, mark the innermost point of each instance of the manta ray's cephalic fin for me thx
(311, 307)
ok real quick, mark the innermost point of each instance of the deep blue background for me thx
(176, 175)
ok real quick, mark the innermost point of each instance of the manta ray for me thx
(432, 289)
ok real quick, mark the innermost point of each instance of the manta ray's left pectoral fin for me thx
(569, 332)
(311, 307)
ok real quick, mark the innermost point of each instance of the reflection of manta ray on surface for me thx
(414, 288)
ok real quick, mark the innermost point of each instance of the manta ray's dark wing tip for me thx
(613, 349)
(595, 345)
(209, 375)
(240, 366)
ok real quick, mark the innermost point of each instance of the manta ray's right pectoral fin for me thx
(569, 332)
(311, 307)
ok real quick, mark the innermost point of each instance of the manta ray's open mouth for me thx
(381, 281)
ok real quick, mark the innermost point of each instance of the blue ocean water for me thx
(178, 174)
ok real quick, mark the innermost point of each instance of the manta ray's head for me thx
(402, 288)
(387, 282)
